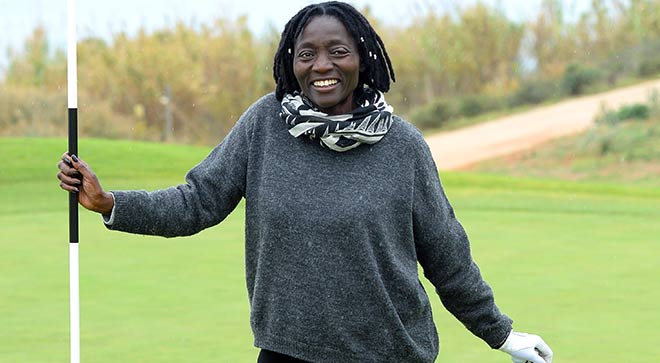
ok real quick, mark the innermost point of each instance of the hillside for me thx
(460, 149)
(626, 153)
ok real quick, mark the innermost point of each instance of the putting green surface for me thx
(578, 264)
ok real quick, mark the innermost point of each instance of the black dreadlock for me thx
(374, 60)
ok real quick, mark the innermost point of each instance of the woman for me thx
(343, 200)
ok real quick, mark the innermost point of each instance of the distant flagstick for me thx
(72, 87)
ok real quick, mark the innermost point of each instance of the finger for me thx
(544, 351)
(68, 169)
(67, 162)
(536, 359)
(528, 355)
(66, 158)
(69, 180)
(69, 188)
(81, 166)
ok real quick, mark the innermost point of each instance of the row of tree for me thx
(202, 77)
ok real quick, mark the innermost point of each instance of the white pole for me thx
(74, 296)
(72, 89)
(72, 60)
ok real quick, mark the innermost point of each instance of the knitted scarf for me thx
(366, 124)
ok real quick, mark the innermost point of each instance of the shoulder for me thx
(263, 110)
(266, 106)
(407, 131)
(410, 138)
(410, 142)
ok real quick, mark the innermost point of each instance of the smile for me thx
(325, 83)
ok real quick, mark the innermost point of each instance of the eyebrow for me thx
(330, 42)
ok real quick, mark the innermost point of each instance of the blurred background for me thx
(184, 71)
(565, 228)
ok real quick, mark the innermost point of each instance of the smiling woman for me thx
(332, 71)
(336, 221)
(327, 65)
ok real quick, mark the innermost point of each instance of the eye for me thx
(339, 51)
(305, 54)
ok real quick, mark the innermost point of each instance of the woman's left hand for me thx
(527, 348)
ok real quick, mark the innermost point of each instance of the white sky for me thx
(101, 18)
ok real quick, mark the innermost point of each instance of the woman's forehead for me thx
(324, 27)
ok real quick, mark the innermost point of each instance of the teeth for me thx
(325, 83)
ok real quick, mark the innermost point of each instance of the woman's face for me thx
(326, 64)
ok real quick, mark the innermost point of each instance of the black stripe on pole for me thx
(73, 197)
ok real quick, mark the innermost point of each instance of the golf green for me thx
(576, 263)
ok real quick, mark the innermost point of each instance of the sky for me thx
(102, 18)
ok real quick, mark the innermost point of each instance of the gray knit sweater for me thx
(332, 240)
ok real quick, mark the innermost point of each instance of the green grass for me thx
(574, 262)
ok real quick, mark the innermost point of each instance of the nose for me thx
(322, 63)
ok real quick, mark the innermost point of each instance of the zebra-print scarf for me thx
(367, 124)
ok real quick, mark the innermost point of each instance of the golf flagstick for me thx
(72, 90)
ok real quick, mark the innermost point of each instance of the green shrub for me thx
(31, 111)
(577, 78)
(654, 104)
(614, 67)
(533, 92)
(649, 59)
(434, 114)
(605, 146)
(608, 117)
(470, 106)
(649, 67)
(637, 111)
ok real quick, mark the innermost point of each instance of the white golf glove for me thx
(527, 348)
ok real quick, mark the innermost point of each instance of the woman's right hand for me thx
(77, 177)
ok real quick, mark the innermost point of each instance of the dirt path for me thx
(454, 150)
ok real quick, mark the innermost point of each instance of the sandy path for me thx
(458, 149)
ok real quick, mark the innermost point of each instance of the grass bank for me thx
(626, 152)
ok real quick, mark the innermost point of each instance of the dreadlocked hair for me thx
(376, 66)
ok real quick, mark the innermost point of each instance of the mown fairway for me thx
(576, 263)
